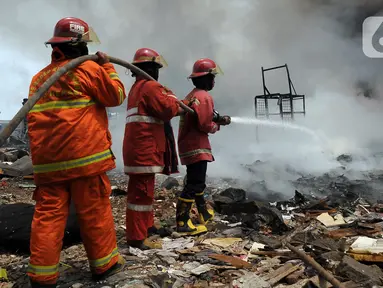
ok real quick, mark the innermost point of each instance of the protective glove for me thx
(224, 120)
(102, 58)
(191, 101)
(180, 111)
(186, 102)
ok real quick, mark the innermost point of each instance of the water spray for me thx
(328, 146)
(255, 121)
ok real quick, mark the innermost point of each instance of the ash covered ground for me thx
(321, 215)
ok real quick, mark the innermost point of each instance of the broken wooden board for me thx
(367, 257)
(295, 276)
(349, 232)
(234, 261)
(277, 275)
(274, 253)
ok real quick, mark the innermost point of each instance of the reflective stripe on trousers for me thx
(104, 260)
(94, 212)
(143, 169)
(43, 270)
(80, 162)
(139, 208)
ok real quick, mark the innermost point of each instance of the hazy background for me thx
(319, 40)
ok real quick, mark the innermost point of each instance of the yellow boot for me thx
(152, 244)
(145, 244)
(205, 214)
(184, 225)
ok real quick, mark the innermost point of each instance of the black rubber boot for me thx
(205, 214)
(163, 232)
(184, 224)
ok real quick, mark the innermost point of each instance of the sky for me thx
(320, 40)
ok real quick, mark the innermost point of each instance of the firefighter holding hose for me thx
(71, 152)
(194, 146)
(149, 145)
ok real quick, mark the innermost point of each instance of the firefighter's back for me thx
(68, 129)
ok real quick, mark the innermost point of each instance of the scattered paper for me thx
(221, 242)
(179, 244)
(202, 269)
(367, 245)
(330, 221)
(256, 247)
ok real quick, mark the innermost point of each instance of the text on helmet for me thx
(76, 28)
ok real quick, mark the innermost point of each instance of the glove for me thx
(216, 116)
(186, 102)
(102, 58)
(180, 111)
(224, 120)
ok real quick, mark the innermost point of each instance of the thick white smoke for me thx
(319, 40)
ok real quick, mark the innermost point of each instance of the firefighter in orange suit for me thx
(149, 145)
(194, 146)
(71, 152)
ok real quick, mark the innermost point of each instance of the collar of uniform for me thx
(140, 78)
(57, 55)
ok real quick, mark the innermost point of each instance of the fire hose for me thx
(20, 115)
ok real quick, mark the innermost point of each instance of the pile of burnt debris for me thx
(15, 159)
(326, 234)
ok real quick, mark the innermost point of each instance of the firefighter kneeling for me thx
(194, 146)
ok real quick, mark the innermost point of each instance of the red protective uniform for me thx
(149, 105)
(193, 138)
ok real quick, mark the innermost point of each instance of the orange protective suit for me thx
(149, 106)
(70, 148)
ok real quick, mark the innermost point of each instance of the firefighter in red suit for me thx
(149, 145)
(194, 146)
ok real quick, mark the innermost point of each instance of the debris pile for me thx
(15, 162)
(306, 241)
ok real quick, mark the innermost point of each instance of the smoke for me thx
(320, 40)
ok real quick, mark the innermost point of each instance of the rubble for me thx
(15, 227)
(234, 203)
(254, 241)
(351, 269)
(170, 183)
(15, 166)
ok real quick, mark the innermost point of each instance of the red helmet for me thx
(205, 66)
(71, 29)
(149, 55)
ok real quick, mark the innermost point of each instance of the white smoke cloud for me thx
(319, 40)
